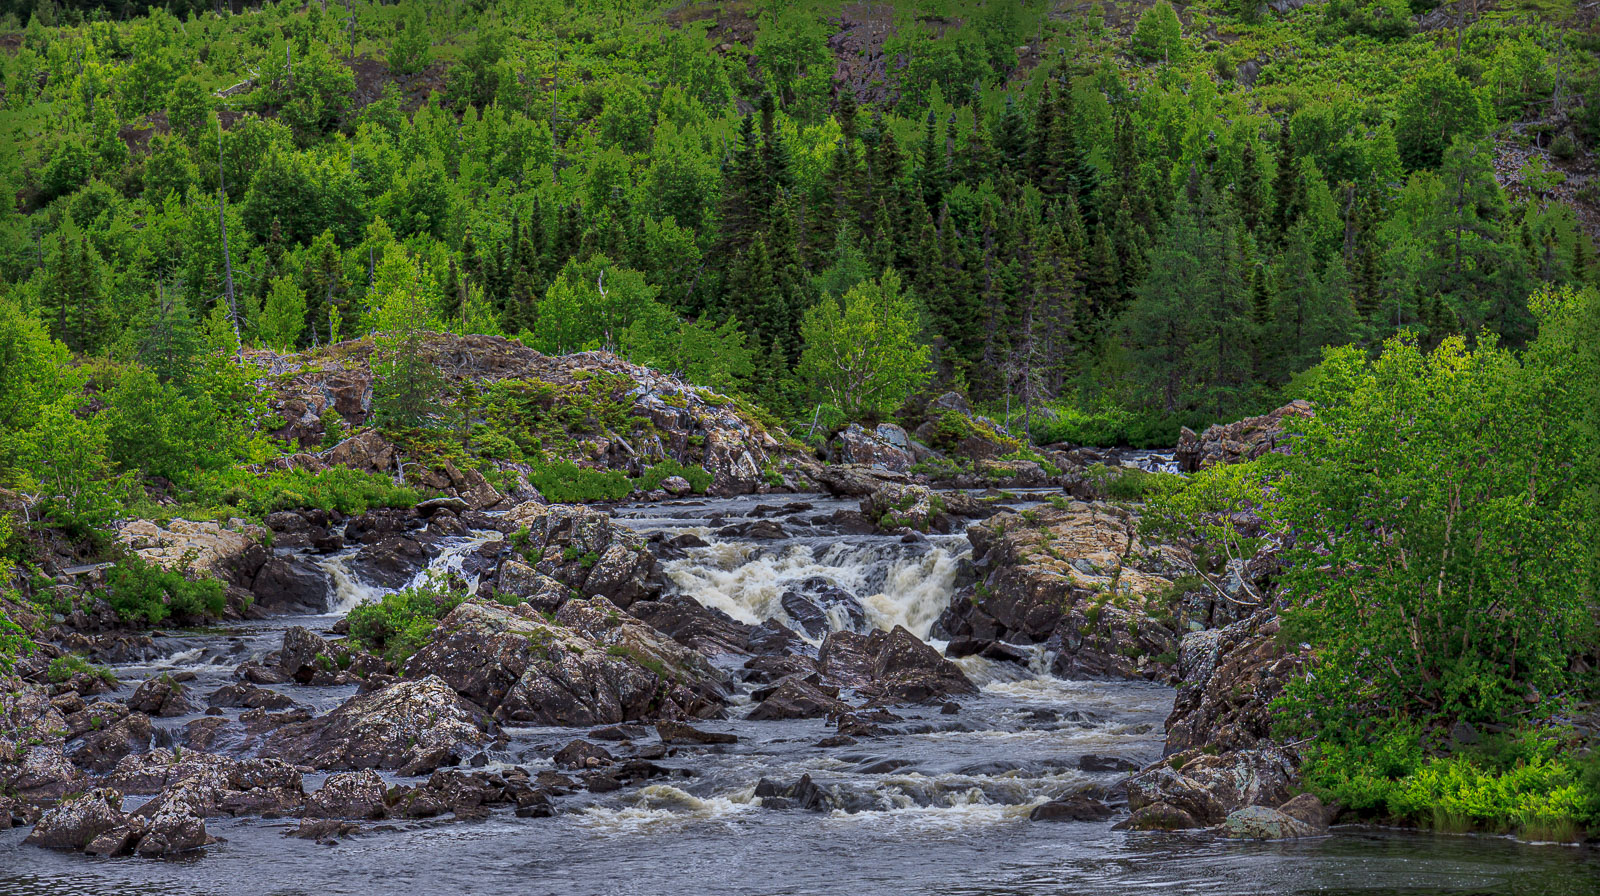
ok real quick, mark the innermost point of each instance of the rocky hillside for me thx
(511, 410)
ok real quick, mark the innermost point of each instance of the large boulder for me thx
(1229, 679)
(77, 821)
(204, 547)
(221, 785)
(885, 448)
(1231, 443)
(161, 696)
(891, 667)
(412, 726)
(906, 507)
(349, 795)
(592, 664)
(584, 549)
(33, 735)
(1079, 579)
(1206, 787)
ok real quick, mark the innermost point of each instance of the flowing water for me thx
(939, 806)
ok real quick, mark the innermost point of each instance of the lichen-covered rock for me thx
(1208, 787)
(1231, 443)
(33, 734)
(412, 726)
(906, 507)
(885, 448)
(1262, 823)
(161, 696)
(349, 795)
(591, 665)
(583, 548)
(519, 580)
(1078, 579)
(304, 655)
(174, 822)
(1229, 678)
(221, 785)
(205, 547)
(76, 822)
(99, 750)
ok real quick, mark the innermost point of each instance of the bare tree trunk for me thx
(227, 260)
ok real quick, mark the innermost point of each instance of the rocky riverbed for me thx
(766, 693)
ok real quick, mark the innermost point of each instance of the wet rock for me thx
(412, 726)
(224, 786)
(305, 656)
(672, 732)
(247, 696)
(756, 530)
(1092, 763)
(392, 562)
(856, 480)
(1208, 787)
(802, 794)
(1159, 817)
(357, 795)
(619, 732)
(592, 665)
(772, 638)
(77, 821)
(1310, 810)
(809, 601)
(1048, 574)
(772, 669)
(1078, 807)
(796, 698)
(292, 585)
(99, 751)
(705, 629)
(676, 486)
(161, 696)
(202, 734)
(582, 754)
(1261, 823)
(325, 831)
(1232, 443)
(892, 666)
(119, 841)
(174, 822)
(255, 673)
(582, 548)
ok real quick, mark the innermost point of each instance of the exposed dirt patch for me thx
(1580, 188)
(372, 75)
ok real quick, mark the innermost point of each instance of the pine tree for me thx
(72, 298)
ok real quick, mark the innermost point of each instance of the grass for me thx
(64, 668)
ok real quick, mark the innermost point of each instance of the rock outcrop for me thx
(411, 726)
(890, 667)
(667, 417)
(582, 548)
(1231, 443)
(886, 447)
(1078, 579)
(589, 664)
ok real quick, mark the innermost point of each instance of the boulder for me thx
(1231, 443)
(886, 448)
(174, 822)
(392, 562)
(813, 602)
(1078, 579)
(796, 698)
(291, 585)
(245, 695)
(583, 549)
(591, 665)
(358, 795)
(100, 750)
(77, 821)
(412, 726)
(519, 580)
(161, 696)
(1208, 787)
(673, 732)
(893, 667)
(1230, 677)
(705, 629)
(676, 486)
(906, 507)
(1262, 823)
(205, 547)
(1078, 807)
(220, 785)
(802, 794)
(582, 754)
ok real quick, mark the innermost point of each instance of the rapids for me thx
(941, 805)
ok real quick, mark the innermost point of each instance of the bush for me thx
(139, 590)
(1523, 782)
(1132, 484)
(564, 482)
(698, 477)
(339, 490)
(397, 625)
(63, 668)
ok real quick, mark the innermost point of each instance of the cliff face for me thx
(516, 407)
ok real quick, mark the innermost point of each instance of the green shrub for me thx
(63, 668)
(699, 478)
(1132, 484)
(564, 482)
(143, 591)
(338, 489)
(397, 625)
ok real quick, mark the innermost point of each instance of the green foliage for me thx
(1528, 782)
(1158, 34)
(398, 624)
(337, 489)
(563, 482)
(63, 668)
(1133, 484)
(698, 477)
(141, 591)
(1442, 505)
(865, 356)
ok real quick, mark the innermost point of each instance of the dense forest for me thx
(1098, 223)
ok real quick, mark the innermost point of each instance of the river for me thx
(941, 805)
